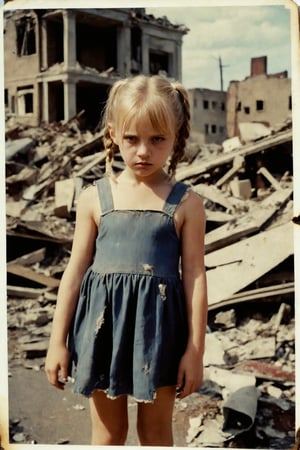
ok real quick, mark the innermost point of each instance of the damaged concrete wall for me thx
(21, 64)
(60, 62)
(209, 114)
(253, 100)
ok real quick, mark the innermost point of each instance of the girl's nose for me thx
(143, 150)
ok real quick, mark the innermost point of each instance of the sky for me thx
(234, 34)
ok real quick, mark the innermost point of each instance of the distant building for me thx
(260, 98)
(60, 62)
(208, 115)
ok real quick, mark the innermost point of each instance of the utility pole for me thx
(221, 66)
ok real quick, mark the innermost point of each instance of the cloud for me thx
(235, 34)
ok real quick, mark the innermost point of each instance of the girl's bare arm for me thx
(81, 257)
(190, 373)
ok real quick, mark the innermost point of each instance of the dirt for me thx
(45, 415)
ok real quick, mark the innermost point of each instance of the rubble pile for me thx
(248, 396)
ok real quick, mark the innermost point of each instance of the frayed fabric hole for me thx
(100, 321)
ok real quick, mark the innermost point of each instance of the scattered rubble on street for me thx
(248, 396)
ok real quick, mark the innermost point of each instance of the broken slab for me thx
(252, 131)
(249, 223)
(264, 370)
(22, 145)
(64, 196)
(255, 256)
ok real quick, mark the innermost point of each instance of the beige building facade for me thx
(260, 98)
(208, 115)
(59, 63)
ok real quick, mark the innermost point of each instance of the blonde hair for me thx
(165, 103)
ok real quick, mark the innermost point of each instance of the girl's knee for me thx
(109, 420)
(158, 434)
(109, 435)
(154, 423)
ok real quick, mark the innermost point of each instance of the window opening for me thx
(259, 105)
(214, 129)
(25, 100)
(159, 62)
(206, 127)
(205, 104)
(25, 36)
(13, 104)
(247, 110)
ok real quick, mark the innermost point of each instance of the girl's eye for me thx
(156, 139)
(130, 139)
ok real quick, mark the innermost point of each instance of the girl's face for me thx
(144, 149)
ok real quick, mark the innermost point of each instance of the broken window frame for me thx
(26, 36)
(25, 98)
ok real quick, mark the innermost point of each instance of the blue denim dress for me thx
(130, 326)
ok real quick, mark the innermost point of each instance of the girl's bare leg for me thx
(154, 423)
(109, 419)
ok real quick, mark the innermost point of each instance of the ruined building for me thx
(58, 63)
(260, 98)
(208, 115)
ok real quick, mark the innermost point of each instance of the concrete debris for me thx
(247, 192)
(253, 131)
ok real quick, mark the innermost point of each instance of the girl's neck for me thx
(130, 192)
(158, 178)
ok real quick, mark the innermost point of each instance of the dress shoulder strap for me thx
(105, 195)
(175, 196)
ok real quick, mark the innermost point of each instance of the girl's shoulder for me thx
(192, 198)
(191, 204)
(88, 202)
(88, 192)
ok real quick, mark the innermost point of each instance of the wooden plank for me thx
(217, 216)
(215, 195)
(30, 258)
(197, 167)
(24, 292)
(256, 256)
(26, 272)
(262, 294)
(248, 224)
(87, 167)
(264, 171)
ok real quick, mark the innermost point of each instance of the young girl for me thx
(135, 323)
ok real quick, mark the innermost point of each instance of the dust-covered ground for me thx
(42, 414)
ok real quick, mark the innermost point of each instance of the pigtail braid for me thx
(110, 148)
(184, 129)
(108, 117)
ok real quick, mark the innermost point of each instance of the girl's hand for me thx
(56, 366)
(190, 374)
